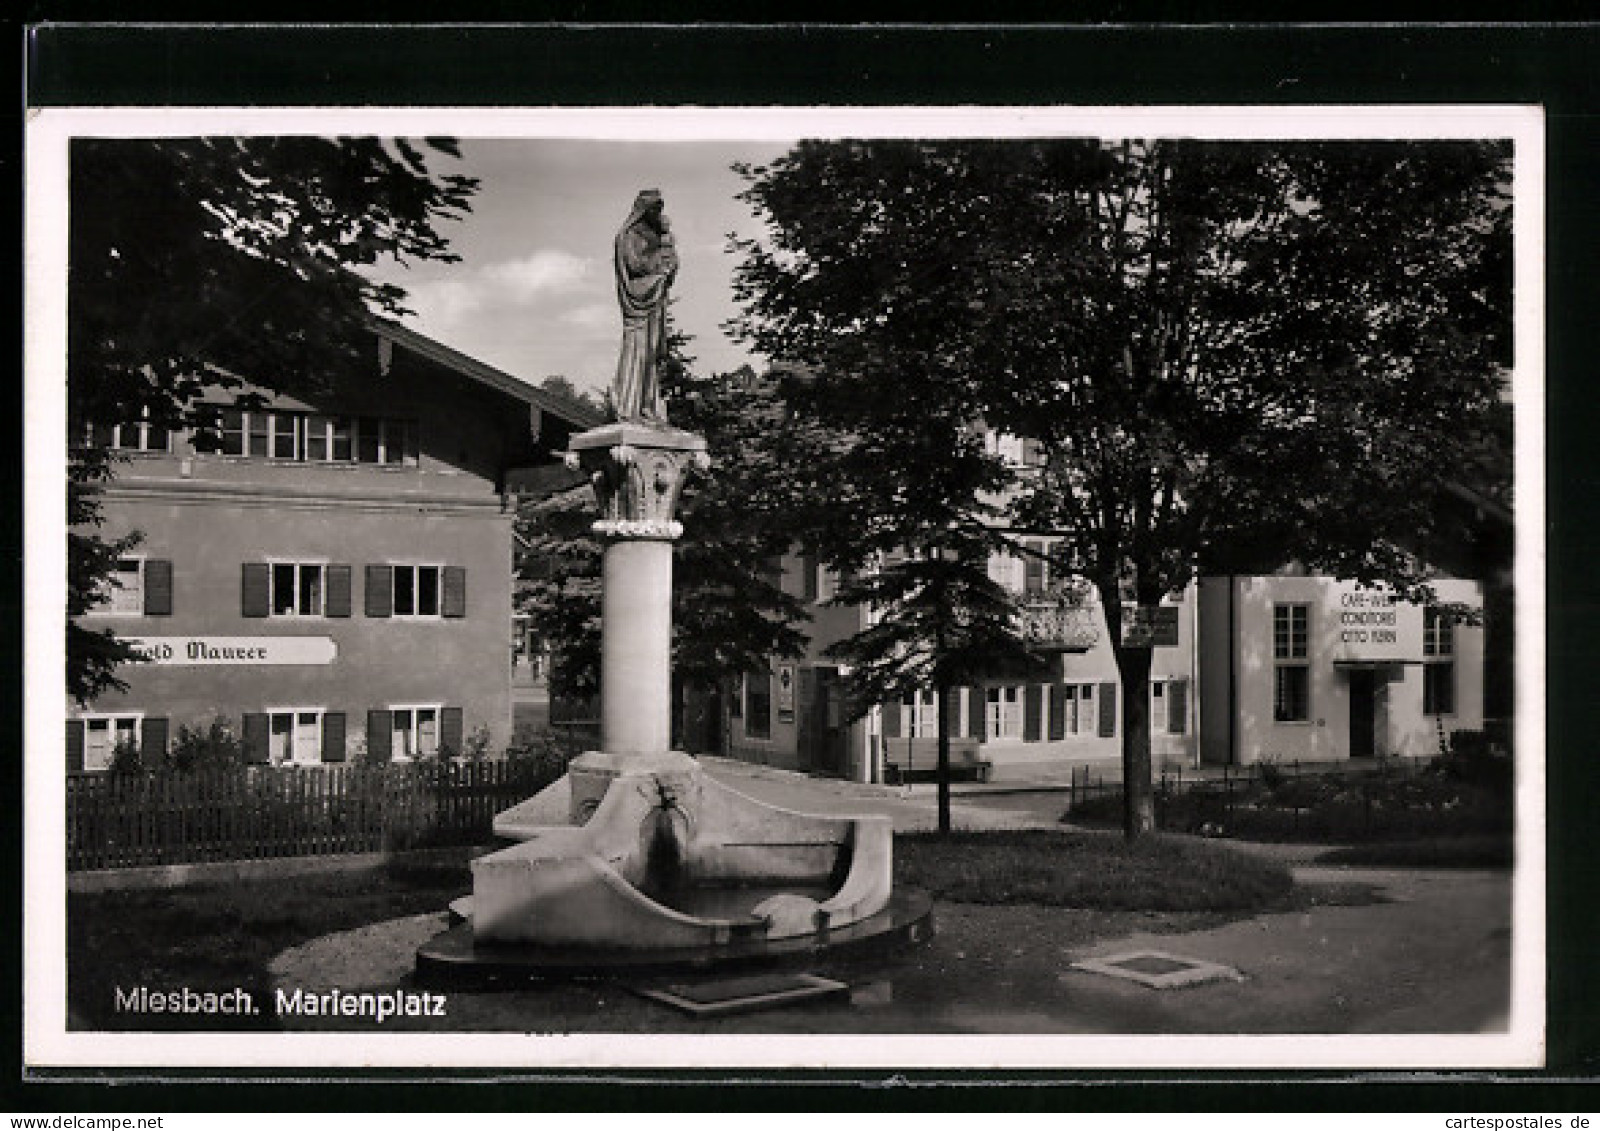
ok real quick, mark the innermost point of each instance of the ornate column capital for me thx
(637, 471)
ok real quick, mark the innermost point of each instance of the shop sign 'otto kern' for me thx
(1369, 624)
(235, 651)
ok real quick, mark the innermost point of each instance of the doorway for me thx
(1363, 713)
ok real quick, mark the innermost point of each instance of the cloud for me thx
(539, 273)
(592, 316)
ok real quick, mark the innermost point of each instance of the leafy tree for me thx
(1236, 355)
(563, 387)
(863, 285)
(198, 263)
(940, 622)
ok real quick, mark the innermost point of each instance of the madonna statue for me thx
(646, 263)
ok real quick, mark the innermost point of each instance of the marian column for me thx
(637, 467)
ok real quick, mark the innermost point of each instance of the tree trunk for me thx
(943, 693)
(1138, 800)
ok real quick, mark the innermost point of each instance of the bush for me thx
(549, 753)
(1473, 760)
(1388, 804)
(195, 749)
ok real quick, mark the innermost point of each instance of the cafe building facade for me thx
(334, 581)
(1278, 668)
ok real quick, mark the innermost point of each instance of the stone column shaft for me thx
(636, 648)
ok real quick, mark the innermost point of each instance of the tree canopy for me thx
(202, 262)
(1235, 355)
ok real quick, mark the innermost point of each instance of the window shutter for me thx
(1058, 711)
(255, 739)
(1177, 706)
(1108, 710)
(450, 727)
(891, 719)
(157, 587)
(975, 713)
(1032, 712)
(257, 598)
(808, 568)
(338, 599)
(380, 735)
(333, 728)
(74, 746)
(153, 740)
(455, 592)
(380, 591)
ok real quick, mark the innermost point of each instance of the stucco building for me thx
(335, 578)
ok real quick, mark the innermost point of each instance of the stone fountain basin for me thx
(665, 842)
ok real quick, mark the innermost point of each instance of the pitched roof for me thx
(574, 412)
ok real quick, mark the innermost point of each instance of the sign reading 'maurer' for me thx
(235, 651)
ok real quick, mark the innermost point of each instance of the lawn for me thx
(1100, 871)
(215, 937)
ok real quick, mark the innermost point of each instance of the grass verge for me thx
(1101, 871)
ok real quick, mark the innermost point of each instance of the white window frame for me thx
(1439, 656)
(413, 731)
(415, 569)
(1294, 655)
(1161, 692)
(111, 722)
(1003, 712)
(296, 613)
(919, 716)
(130, 597)
(294, 752)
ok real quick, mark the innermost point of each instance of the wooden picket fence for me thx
(261, 812)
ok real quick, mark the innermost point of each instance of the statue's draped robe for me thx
(642, 294)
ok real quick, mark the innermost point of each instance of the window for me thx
(294, 736)
(317, 438)
(1291, 689)
(297, 589)
(758, 705)
(1004, 717)
(124, 590)
(104, 735)
(1036, 573)
(1169, 705)
(416, 591)
(922, 714)
(415, 732)
(1438, 668)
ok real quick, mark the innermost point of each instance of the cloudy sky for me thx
(534, 294)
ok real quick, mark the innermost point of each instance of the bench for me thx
(917, 759)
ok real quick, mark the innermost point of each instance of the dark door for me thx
(1363, 713)
(829, 736)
